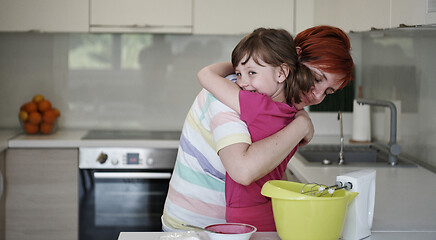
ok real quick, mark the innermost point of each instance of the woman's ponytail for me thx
(300, 79)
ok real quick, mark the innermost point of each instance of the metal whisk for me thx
(318, 190)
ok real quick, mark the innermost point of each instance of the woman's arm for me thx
(247, 163)
(211, 78)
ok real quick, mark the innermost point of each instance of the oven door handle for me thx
(132, 175)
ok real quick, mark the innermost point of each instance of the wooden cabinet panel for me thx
(2, 198)
(242, 16)
(42, 194)
(44, 15)
(141, 15)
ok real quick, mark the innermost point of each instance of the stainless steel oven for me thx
(123, 189)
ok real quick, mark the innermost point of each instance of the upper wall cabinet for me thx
(413, 12)
(353, 15)
(242, 16)
(163, 16)
(408, 12)
(304, 15)
(44, 15)
(430, 16)
(362, 15)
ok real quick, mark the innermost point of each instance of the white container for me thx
(360, 213)
(361, 122)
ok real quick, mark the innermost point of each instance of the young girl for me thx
(267, 68)
(272, 80)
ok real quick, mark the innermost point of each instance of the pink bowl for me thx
(231, 231)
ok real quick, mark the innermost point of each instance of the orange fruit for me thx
(29, 107)
(35, 117)
(58, 113)
(37, 98)
(23, 107)
(46, 128)
(30, 128)
(49, 116)
(23, 115)
(44, 105)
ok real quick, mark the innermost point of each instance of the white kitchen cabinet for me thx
(44, 15)
(242, 16)
(41, 197)
(168, 16)
(413, 12)
(304, 15)
(353, 15)
(362, 15)
(408, 12)
(430, 13)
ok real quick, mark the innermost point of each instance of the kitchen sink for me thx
(354, 155)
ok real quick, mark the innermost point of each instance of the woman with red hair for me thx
(215, 140)
(326, 51)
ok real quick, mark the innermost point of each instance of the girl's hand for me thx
(303, 116)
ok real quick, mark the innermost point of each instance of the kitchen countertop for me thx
(5, 136)
(405, 197)
(73, 139)
(274, 236)
(404, 203)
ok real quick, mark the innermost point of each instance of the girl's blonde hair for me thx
(276, 47)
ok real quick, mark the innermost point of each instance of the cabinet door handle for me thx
(132, 175)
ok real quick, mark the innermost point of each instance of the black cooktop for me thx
(131, 135)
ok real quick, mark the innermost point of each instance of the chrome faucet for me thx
(341, 152)
(393, 148)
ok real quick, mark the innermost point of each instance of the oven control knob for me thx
(114, 161)
(102, 158)
(150, 161)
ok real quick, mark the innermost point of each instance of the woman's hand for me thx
(302, 115)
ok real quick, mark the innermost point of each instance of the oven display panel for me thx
(132, 158)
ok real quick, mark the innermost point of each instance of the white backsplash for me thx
(107, 81)
(144, 81)
(399, 64)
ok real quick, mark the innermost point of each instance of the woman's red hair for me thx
(326, 48)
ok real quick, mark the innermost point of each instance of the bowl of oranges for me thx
(38, 116)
